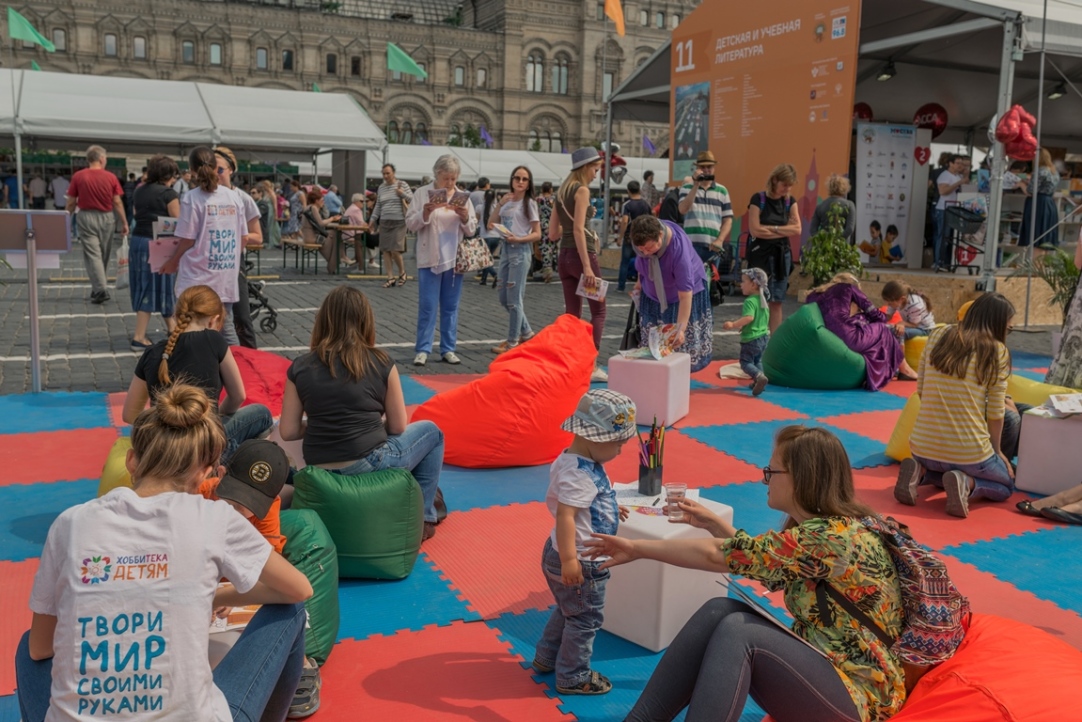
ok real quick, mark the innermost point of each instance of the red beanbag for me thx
(264, 375)
(512, 416)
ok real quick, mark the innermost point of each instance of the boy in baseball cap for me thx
(251, 483)
(582, 500)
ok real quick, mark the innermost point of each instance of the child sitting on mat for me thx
(754, 325)
(915, 308)
(582, 500)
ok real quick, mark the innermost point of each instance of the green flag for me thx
(315, 88)
(34, 65)
(19, 28)
(398, 59)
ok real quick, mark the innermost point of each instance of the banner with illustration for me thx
(885, 168)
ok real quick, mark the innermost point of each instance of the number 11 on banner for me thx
(685, 58)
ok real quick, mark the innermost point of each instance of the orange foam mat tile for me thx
(492, 557)
(55, 455)
(445, 382)
(709, 375)
(878, 425)
(685, 460)
(15, 615)
(928, 520)
(989, 595)
(455, 673)
(904, 389)
(722, 406)
(116, 407)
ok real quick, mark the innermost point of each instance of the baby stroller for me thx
(258, 303)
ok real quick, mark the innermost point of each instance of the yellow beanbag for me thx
(914, 349)
(898, 446)
(1034, 393)
(115, 472)
(964, 310)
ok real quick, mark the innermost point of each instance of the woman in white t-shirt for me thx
(517, 213)
(128, 583)
(211, 230)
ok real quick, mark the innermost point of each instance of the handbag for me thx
(632, 336)
(472, 255)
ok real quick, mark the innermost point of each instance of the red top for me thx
(94, 189)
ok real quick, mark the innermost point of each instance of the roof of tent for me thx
(133, 114)
(958, 71)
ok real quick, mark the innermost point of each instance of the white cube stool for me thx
(647, 602)
(1049, 453)
(658, 388)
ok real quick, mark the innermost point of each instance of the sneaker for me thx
(139, 346)
(306, 698)
(452, 358)
(599, 374)
(526, 337)
(956, 484)
(760, 383)
(420, 359)
(541, 666)
(596, 684)
(905, 489)
(504, 347)
(429, 530)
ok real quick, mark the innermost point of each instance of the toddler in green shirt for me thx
(754, 325)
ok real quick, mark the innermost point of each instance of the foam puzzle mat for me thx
(467, 619)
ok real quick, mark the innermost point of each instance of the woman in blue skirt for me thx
(151, 292)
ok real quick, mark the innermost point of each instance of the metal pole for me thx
(608, 138)
(1036, 170)
(32, 294)
(995, 200)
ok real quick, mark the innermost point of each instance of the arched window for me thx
(559, 75)
(674, 20)
(455, 134)
(533, 143)
(110, 44)
(215, 53)
(535, 69)
(392, 132)
(460, 76)
(644, 17)
(555, 142)
(139, 47)
(407, 133)
(60, 39)
(261, 58)
(482, 78)
(420, 133)
(187, 51)
(287, 60)
(332, 64)
(659, 20)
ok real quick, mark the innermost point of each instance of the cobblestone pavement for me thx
(85, 347)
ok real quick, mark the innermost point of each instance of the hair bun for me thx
(182, 406)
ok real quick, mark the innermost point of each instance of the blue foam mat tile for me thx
(384, 607)
(1033, 375)
(753, 442)
(54, 411)
(9, 708)
(628, 666)
(414, 391)
(1045, 562)
(833, 403)
(748, 501)
(28, 510)
(1027, 359)
(467, 489)
(701, 386)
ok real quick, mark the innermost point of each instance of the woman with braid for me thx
(197, 353)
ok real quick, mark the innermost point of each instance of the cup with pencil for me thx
(651, 453)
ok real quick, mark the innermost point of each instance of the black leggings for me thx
(727, 651)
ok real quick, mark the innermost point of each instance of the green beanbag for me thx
(803, 354)
(309, 547)
(376, 520)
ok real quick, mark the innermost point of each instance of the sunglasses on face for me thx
(521, 179)
(768, 473)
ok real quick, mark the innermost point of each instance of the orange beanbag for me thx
(512, 416)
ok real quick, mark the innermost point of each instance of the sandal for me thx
(401, 280)
(390, 283)
(306, 698)
(596, 684)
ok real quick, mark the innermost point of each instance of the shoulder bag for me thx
(472, 255)
(593, 243)
(632, 336)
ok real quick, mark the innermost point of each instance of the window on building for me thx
(460, 76)
(110, 44)
(674, 20)
(355, 66)
(396, 75)
(659, 20)
(559, 75)
(644, 17)
(420, 133)
(407, 133)
(60, 39)
(215, 53)
(482, 78)
(139, 47)
(261, 58)
(392, 132)
(535, 69)
(607, 83)
(601, 11)
(545, 141)
(287, 60)
(532, 143)
(332, 64)
(418, 79)
(454, 135)
(187, 51)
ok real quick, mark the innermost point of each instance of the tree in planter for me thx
(1057, 269)
(828, 253)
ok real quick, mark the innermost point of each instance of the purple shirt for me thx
(681, 267)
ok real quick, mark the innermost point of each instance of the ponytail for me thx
(204, 168)
(195, 302)
(895, 290)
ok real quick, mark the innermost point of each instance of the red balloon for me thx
(862, 111)
(932, 116)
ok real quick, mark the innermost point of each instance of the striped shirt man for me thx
(708, 212)
(389, 206)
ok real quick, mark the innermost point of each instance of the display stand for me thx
(33, 232)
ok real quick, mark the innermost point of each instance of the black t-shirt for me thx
(633, 209)
(773, 211)
(151, 200)
(345, 417)
(196, 359)
(670, 208)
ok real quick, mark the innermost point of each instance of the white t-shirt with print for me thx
(582, 483)
(217, 222)
(131, 581)
(947, 178)
(512, 217)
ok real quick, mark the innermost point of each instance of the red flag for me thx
(616, 13)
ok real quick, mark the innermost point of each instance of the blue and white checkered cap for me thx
(603, 415)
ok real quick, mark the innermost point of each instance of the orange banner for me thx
(765, 85)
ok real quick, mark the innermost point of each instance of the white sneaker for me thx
(452, 358)
(420, 359)
(599, 375)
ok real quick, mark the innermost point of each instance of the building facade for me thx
(533, 74)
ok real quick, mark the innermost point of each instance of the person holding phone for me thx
(706, 207)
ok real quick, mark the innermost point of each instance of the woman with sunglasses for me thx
(821, 672)
(517, 212)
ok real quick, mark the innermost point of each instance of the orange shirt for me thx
(269, 526)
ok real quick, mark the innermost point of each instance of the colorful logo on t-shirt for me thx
(96, 570)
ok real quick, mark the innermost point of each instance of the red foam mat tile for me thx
(878, 425)
(904, 389)
(445, 382)
(709, 375)
(685, 460)
(15, 615)
(55, 455)
(493, 557)
(116, 407)
(455, 673)
(928, 520)
(722, 406)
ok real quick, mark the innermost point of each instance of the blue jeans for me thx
(515, 261)
(991, 478)
(419, 450)
(567, 643)
(751, 355)
(627, 265)
(258, 675)
(249, 422)
(1012, 429)
(914, 332)
(442, 291)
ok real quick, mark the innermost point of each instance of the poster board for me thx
(761, 88)
(886, 166)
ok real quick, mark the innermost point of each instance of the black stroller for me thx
(258, 304)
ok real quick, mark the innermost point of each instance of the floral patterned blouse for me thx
(857, 563)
